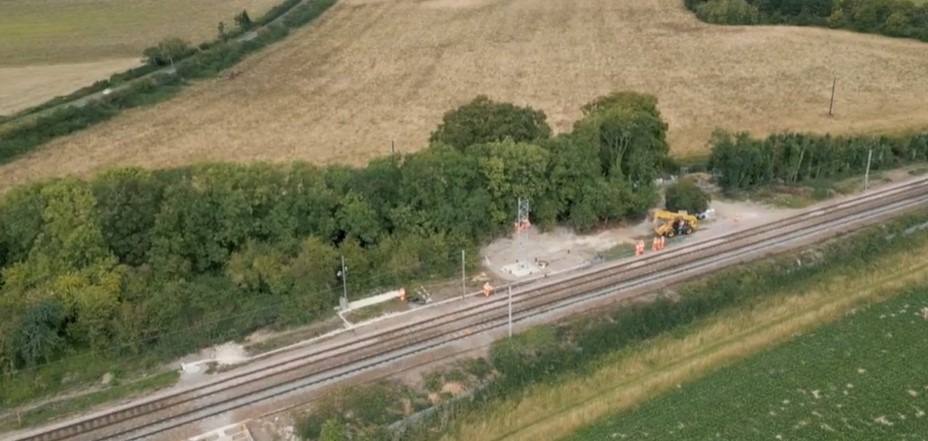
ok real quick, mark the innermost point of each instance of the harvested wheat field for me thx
(50, 48)
(41, 32)
(372, 71)
(26, 86)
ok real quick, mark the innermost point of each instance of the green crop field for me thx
(862, 378)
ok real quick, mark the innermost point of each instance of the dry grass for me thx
(554, 411)
(372, 71)
(68, 31)
(26, 86)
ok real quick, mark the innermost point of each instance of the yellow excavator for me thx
(670, 224)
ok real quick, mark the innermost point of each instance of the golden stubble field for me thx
(53, 47)
(372, 71)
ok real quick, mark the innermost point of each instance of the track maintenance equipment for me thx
(670, 224)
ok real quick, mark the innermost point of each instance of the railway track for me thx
(681, 263)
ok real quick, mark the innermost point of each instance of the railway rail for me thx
(159, 414)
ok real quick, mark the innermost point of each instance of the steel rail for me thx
(653, 263)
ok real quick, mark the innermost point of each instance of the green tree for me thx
(306, 207)
(128, 201)
(39, 332)
(312, 273)
(728, 12)
(357, 219)
(686, 195)
(167, 52)
(243, 21)
(70, 237)
(259, 268)
(511, 170)
(483, 120)
(21, 217)
(197, 228)
(578, 192)
(631, 136)
(442, 189)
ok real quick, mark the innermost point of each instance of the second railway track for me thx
(686, 261)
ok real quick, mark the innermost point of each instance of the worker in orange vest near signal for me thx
(487, 289)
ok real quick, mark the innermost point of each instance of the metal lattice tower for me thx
(522, 224)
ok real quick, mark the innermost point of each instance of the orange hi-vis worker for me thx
(639, 248)
(487, 289)
(655, 244)
(402, 294)
(661, 243)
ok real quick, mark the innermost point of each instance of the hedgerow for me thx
(738, 161)
(894, 18)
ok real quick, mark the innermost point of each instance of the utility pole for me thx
(463, 277)
(867, 173)
(832, 105)
(510, 310)
(522, 223)
(344, 275)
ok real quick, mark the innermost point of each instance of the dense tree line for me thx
(165, 261)
(896, 18)
(739, 161)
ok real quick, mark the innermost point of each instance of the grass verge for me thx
(859, 378)
(45, 412)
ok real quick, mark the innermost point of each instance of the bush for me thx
(686, 195)
(484, 120)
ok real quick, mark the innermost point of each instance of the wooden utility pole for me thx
(463, 277)
(867, 173)
(344, 274)
(831, 106)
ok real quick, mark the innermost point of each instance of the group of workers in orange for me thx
(657, 244)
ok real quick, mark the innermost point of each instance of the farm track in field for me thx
(618, 280)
